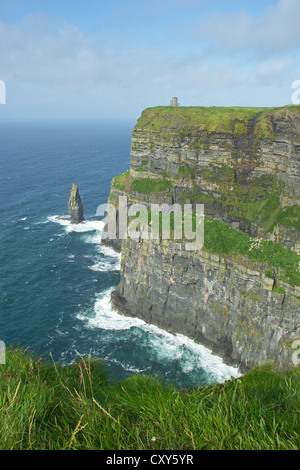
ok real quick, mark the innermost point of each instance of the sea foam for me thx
(85, 226)
(165, 347)
(105, 317)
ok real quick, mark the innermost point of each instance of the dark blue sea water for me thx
(56, 278)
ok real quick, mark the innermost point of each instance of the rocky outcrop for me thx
(75, 206)
(243, 164)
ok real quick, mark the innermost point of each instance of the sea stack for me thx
(75, 206)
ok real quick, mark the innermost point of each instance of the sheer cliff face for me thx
(226, 306)
(243, 165)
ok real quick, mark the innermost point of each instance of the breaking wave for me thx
(129, 342)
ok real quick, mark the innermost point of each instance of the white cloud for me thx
(274, 32)
(270, 71)
(35, 50)
(62, 57)
(193, 75)
(56, 66)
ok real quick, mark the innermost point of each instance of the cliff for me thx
(239, 294)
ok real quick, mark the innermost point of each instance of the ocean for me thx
(56, 278)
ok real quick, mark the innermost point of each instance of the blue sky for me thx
(110, 59)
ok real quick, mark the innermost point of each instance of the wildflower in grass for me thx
(153, 439)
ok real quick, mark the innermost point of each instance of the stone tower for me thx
(75, 206)
(174, 102)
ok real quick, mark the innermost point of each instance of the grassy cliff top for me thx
(212, 119)
(59, 407)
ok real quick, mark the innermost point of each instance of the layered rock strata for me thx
(233, 164)
(243, 164)
(227, 306)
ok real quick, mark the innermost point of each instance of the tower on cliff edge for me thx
(174, 102)
(75, 206)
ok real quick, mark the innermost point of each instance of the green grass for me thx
(125, 182)
(77, 407)
(222, 239)
(122, 182)
(289, 216)
(211, 119)
(258, 201)
(255, 201)
(149, 185)
(232, 119)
